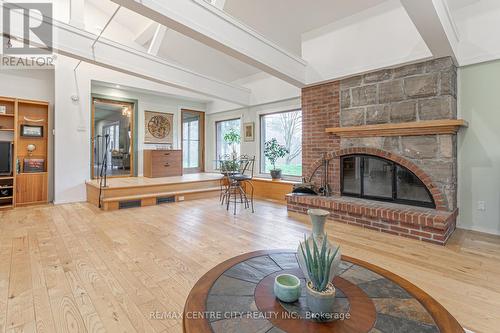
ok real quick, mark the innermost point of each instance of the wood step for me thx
(160, 194)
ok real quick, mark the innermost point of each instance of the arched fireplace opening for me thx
(377, 178)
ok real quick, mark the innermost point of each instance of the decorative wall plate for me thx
(158, 127)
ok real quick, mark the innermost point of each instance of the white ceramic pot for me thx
(321, 304)
(287, 288)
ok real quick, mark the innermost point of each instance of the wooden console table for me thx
(237, 296)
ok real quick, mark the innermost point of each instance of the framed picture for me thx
(158, 127)
(249, 132)
(3, 109)
(32, 131)
(31, 165)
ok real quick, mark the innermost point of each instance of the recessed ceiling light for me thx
(117, 86)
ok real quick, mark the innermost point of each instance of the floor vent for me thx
(129, 204)
(162, 200)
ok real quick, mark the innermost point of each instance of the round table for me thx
(237, 296)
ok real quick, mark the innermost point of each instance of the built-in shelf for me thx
(402, 129)
(27, 188)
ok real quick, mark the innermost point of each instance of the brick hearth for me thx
(412, 93)
(425, 224)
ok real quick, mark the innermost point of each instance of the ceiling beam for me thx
(207, 24)
(435, 24)
(147, 34)
(76, 43)
(155, 44)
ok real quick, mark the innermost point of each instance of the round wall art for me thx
(159, 127)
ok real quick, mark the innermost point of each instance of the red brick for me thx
(399, 229)
(420, 233)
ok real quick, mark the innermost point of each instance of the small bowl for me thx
(287, 288)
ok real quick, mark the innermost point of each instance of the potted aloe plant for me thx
(320, 292)
(272, 151)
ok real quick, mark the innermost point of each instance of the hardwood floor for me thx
(73, 268)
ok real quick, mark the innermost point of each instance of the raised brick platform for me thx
(430, 225)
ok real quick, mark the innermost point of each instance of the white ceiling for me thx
(176, 48)
(458, 4)
(203, 59)
(283, 21)
(477, 25)
(126, 18)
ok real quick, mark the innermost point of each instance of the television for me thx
(5, 158)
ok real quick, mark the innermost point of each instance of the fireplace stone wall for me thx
(418, 92)
(412, 93)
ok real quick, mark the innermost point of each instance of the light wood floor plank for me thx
(5, 264)
(20, 306)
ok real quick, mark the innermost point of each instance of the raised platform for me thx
(141, 191)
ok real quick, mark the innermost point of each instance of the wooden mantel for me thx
(402, 129)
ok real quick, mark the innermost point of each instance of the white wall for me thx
(479, 147)
(250, 114)
(378, 37)
(37, 84)
(72, 119)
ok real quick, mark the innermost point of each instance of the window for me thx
(286, 127)
(380, 179)
(221, 129)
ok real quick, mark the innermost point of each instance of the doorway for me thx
(193, 141)
(112, 138)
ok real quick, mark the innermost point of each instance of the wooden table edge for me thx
(196, 300)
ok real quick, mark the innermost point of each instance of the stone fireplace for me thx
(392, 156)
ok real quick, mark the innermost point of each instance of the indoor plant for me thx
(272, 151)
(318, 220)
(232, 137)
(320, 292)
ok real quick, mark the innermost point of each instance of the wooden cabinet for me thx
(32, 185)
(162, 163)
(31, 188)
(25, 123)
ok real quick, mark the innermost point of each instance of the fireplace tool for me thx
(307, 187)
(325, 187)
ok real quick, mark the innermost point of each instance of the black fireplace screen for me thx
(376, 178)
